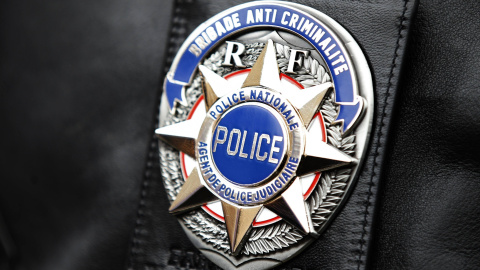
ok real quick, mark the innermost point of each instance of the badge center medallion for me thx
(252, 138)
(259, 135)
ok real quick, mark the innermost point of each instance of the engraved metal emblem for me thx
(264, 119)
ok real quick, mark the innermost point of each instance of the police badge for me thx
(265, 116)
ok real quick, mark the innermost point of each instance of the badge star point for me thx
(192, 195)
(265, 71)
(214, 86)
(320, 156)
(238, 221)
(181, 136)
(290, 205)
(308, 100)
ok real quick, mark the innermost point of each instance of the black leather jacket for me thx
(79, 180)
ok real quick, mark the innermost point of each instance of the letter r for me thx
(229, 54)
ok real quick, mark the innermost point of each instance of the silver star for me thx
(290, 204)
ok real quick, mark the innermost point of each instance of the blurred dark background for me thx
(79, 82)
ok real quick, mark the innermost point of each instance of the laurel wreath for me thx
(323, 200)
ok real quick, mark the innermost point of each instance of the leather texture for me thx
(429, 209)
(79, 177)
(79, 83)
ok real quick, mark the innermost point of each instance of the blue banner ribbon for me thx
(290, 19)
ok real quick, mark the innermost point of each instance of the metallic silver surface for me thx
(181, 136)
(291, 207)
(274, 243)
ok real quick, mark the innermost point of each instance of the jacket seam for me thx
(175, 34)
(381, 134)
